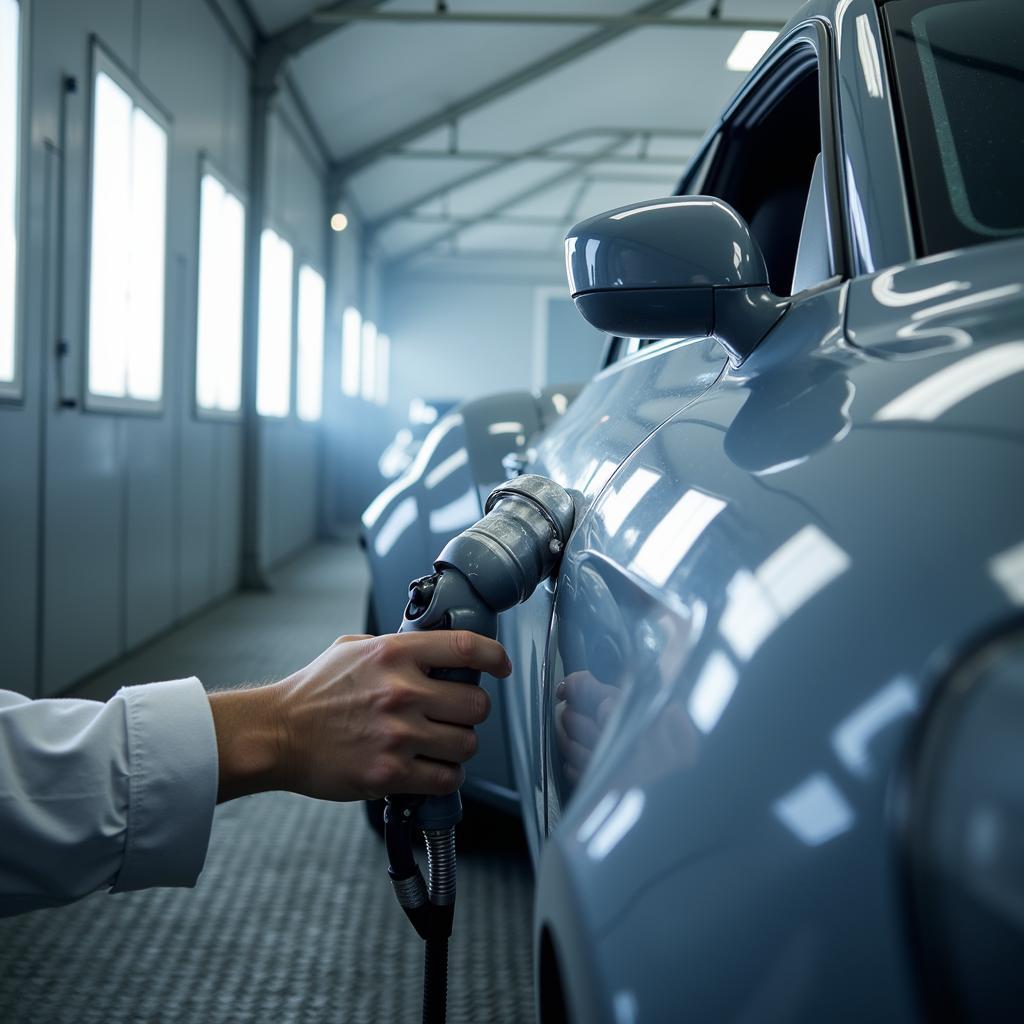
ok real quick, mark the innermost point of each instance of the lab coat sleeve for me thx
(94, 795)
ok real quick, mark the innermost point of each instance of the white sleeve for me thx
(91, 795)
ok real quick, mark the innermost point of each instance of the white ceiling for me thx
(633, 111)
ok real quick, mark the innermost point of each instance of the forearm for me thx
(251, 748)
(96, 795)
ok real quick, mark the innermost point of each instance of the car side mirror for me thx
(673, 268)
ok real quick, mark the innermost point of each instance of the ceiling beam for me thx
(508, 220)
(507, 203)
(626, 21)
(310, 29)
(586, 181)
(621, 135)
(502, 157)
(489, 93)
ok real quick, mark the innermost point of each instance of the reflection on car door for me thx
(614, 413)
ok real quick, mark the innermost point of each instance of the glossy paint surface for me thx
(678, 242)
(748, 624)
(613, 415)
(775, 567)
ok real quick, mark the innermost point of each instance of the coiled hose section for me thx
(441, 885)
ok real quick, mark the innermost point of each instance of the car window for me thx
(765, 165)
(959, 69)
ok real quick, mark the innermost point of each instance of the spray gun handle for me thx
(446, 600)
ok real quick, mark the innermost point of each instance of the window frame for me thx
(207, 165)
(816, 36)
(706, 163)
(103, 59)
(12, 392)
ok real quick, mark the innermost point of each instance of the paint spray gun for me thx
(486, 569)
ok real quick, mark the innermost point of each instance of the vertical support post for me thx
(266, 66)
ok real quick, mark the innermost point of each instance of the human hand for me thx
(361, 721)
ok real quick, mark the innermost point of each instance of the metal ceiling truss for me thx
(546, 150)
(625, 21)
(544, 185)
(497, 156)
(489, 93)
(313, 28)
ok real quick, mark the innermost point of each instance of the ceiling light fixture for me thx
(750, 49)
(339, 222)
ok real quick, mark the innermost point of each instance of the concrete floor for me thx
(293, 919)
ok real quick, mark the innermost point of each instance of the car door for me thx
(613, 414)
(618, 627)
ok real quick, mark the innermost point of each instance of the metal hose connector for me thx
(411, 892)
(441, 865)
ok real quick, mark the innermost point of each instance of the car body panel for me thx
(814, 503)
(581, 452)
(774, 569)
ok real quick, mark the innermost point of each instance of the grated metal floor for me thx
(293, 920)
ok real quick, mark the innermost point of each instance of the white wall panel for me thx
(83, 520)
(149, 538)
(290, 451)
(82, 584)
(227, 501)
(140, 518)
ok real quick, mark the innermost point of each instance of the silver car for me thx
(766, 726)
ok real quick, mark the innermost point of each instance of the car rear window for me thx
(959, 69)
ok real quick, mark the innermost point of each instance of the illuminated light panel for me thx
(126, 284)
(351, 345)
(749, 49)
(815, 811)
(274, 349)
(219, 316)
(368, 359)
(339, 222)
(310, 383)
(10, 72)
(937, 394)
(670, 541)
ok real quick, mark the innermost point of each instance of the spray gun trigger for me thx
(421, 593)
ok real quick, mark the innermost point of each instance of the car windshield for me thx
(959, 68)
